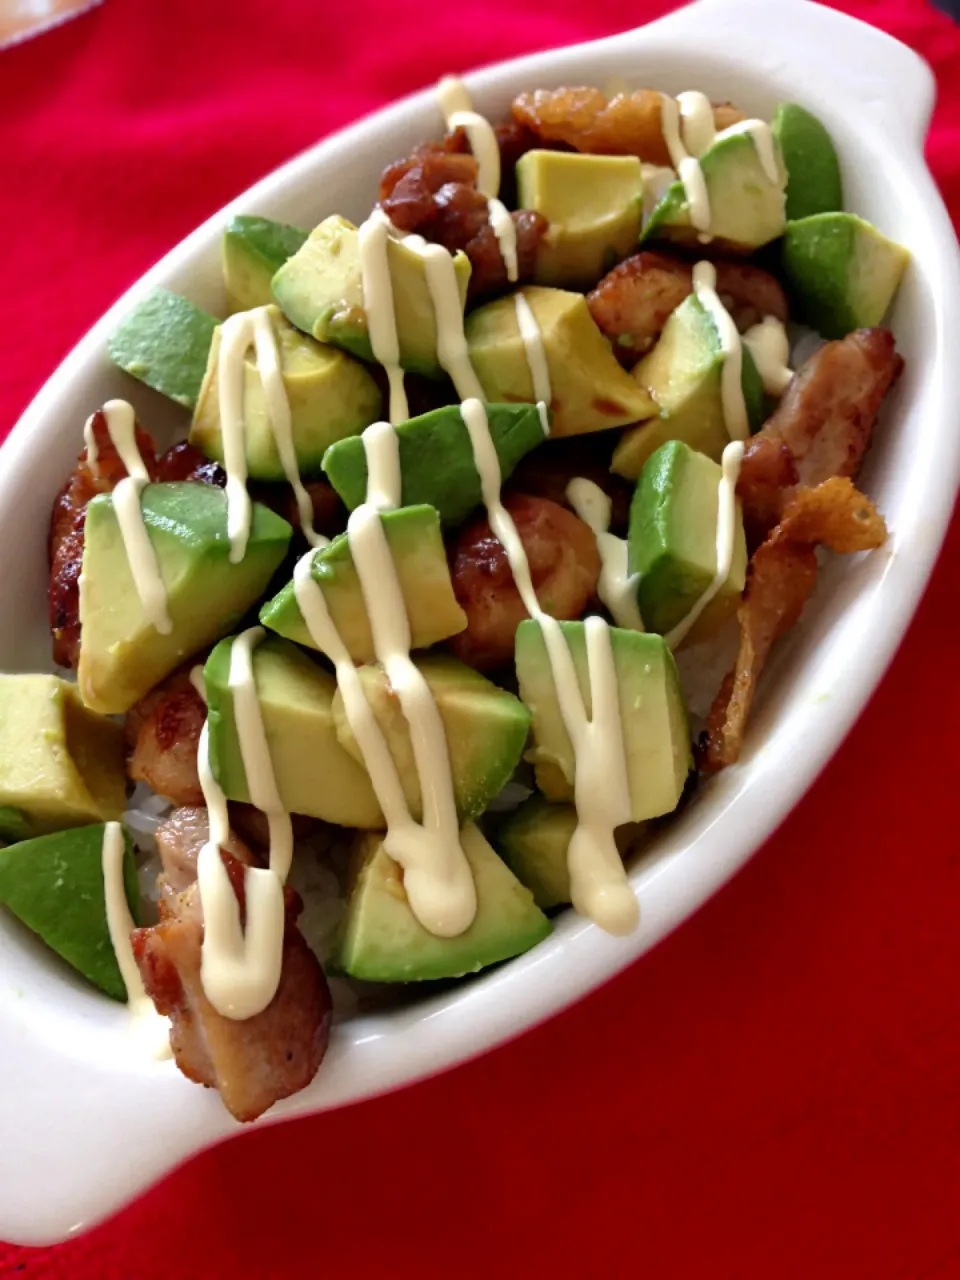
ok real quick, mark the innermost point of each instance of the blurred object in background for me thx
(21, 19)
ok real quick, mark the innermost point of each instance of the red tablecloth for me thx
(775, 1091)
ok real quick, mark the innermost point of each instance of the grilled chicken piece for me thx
(184, 461)
(821, 428)
(780, 578)
(179, 841)
(253, 1063)
(163, 731)
(66, 533)
(633, 302)
(564, 568)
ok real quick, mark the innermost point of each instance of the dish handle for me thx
(881, 77)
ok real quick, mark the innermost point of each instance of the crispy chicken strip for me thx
(163, 730)
(780, 579)
(633, 302)
(626, 125)
(253, 1063)
(564, 568)
(822, 426)
(66, 533)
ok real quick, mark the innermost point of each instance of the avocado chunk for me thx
(814, 184)
(672, 542)
(416, 545)
(314, 775)
(320, 290)
(14, 825)
(382, 940)
(589, 390)
(486, 730)
(164, 341)
(841, 272)
(436, 458)
(683, 374)
(593, 205)
(533, 841)
(122, 655)
(61, 765)
(655, 730)
(254, 250)
(54, 885)
(746, 208)
(330, 395)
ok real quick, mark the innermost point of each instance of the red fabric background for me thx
(773, 1093)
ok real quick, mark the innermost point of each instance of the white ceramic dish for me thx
(71, 1081)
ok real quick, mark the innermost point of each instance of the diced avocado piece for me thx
(841, 272)
(593, 205)
(382, 940)
(655, 731)
(746, 208)
(164, 341)
(814, 184)
(254, 250)
(416, 545)
(589, 390)
(320, 290)
(672, 543)
(314, 775)
(61, 765)
(330, 395)
(54, 885)
(436, 458)
(122, 655)
(13, 825)
(533, 841)
(486, 730)
(683, 374)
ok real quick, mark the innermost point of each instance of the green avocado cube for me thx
(420, 559)
(61, 765)
(320, 290)
(589, 390)
(746, 207)
(656, 735)
(593, 205)
(684, 375)
(330, 395)
(54, 885)
(122, 655)
(253, 251)
(486, 730)
(841, 271)
(672, 542)
(315, 775)
(382, 941)
(533, 841)
(164, 341)
(814, 184)
(436, 458)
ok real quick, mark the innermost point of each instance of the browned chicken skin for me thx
(821, 427)
(163, 730)
(633, 302)
(564, 568)
(255, 1062)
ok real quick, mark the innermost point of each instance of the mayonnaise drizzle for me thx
(457, 108)
(536, 358)
(452, 352)
(687, 167)
(237, 334)
(697, 122)
(372, 237)
(141, 556)
(726, 539)
(762, 136)
(241, 965)
(617, 588)
(146, 1021)
(768, 344)
(381, 447)
(599, 885)
(731, 386)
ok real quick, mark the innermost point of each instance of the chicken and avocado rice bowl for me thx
(396, 621)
